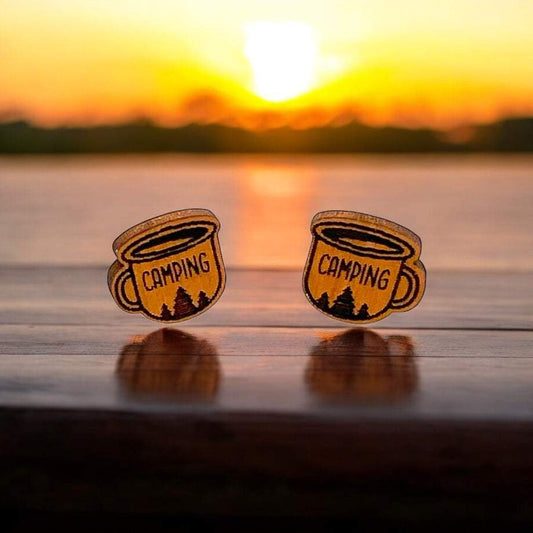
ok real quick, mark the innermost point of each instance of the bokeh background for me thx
(266, 112)
(449, 66)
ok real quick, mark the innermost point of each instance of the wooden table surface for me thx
(264, 407)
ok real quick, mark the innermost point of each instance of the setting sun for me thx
(282, 56)
(267, 63)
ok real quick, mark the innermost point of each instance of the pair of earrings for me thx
(360, 268)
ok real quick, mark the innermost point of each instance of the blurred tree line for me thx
(21, 137)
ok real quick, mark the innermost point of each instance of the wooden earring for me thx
(362, 268)
(169, 268)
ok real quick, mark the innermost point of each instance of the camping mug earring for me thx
(362, 268)
(169, 268)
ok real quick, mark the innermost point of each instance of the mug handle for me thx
(412, 292)
(120, 292)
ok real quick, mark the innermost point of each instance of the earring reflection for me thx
(359, 365)
(169, 363)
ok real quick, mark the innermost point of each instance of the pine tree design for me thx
(363, 313)
(183, 304)
(344, 304)
(203, 300)
(323, 302)
(166, 313)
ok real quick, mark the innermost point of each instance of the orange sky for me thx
(266, 62)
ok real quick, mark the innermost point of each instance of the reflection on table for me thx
(171, 364)
(361, 366)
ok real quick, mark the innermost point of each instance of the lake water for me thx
(471, 211)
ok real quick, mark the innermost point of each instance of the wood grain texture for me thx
(263, 407)
(463, 375)
(263, 414)
(169, 268)
(361, 268)
(265, 298)
(251, 465)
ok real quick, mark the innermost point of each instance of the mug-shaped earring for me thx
(169, 268)
(362, 268)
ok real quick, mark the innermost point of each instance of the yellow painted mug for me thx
(169, 268)
(361, 268)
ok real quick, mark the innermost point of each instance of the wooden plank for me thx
(247, 465)
(79, 296)
(55, 341)
(355, 374)
(265, 406)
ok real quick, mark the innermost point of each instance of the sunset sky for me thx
(413, 62)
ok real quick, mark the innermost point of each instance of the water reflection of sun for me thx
(274, 218)
(282, 56)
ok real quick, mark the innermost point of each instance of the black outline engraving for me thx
(360, 312)
(126, 259)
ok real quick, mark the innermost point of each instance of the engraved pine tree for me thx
(363, 313)
(344, 306)
(323, 302)
(203, 300)
(166, 314)
(183, 304)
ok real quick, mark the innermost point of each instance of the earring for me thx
(169, 268)
(362, 268)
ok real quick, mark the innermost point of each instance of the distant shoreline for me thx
(513, 135)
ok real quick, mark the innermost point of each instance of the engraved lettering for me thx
(146, 274)
(174, 271)
(320, 271)
(156, 276)
(383, 280)
(353, 271)
(167, 272)
(373, 276)
(344, 267)
(192, 265)
(204, 263)
(333, 265)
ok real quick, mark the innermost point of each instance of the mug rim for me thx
(406, 249)
(191, 215)
(131, 255)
